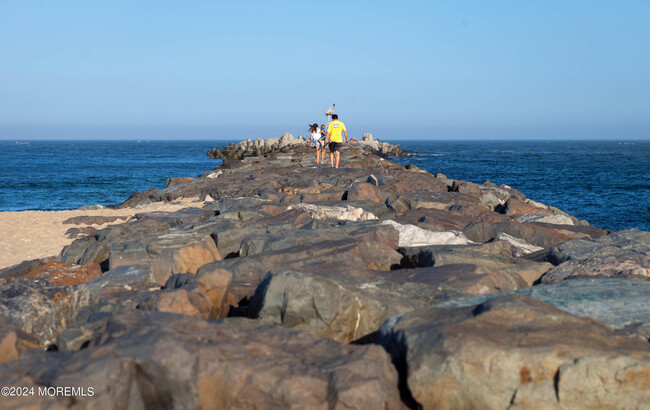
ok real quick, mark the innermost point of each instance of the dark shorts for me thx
(335, 146)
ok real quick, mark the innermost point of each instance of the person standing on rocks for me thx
(321, 143)
(335, 139)
(316, 142)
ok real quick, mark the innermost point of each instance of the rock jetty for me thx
(295, 285)
(286, 143)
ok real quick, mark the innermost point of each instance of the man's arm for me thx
(346, 136)
(327, 137)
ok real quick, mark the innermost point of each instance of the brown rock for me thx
(173, 301)
(467, 188)
(216, 283)
(339, 306)
(432, 219)
(59, 273)
(162, 360)
(138, 198)
(477, 213)
(515, 208)
(465, 278)
(364, 191)
(167, 254)
(178, 181)
(515, 351)
(536, 234)
(436, 199)
(13, 341)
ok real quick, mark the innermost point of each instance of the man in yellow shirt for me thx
(333, 136)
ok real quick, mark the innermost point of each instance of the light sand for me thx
(29, 235)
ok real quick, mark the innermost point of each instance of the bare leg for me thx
(322, 155)
(331, 159)
(338, 157)
(317, 154)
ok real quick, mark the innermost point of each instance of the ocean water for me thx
(55, 175)
(605, 182)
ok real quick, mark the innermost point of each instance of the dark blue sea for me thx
(605, 182)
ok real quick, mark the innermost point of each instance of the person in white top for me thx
(317, 142)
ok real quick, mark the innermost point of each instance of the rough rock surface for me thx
(163, 360)
(41, 309)
(339, 307)
(514, 351)
(13, 341)
(621, 254)
(411, 235)
(58, 273)
(623, 304)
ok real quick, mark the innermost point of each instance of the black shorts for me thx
(335, 146)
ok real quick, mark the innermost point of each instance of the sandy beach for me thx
(29, 235)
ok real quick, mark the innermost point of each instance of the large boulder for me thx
(125, 275)
(624, 253)
(96, 249)
(41, 309)
(364, 191)
(278, 240)
(514, 351)
(183, 216)
(620, 303)
(465, 278)
(167, 254)
(538, 234)
(339, 307)
(411, 235)
(368, 254)
(163, 360)
(527, 270)
(519, 246)
(432, 219)
(544, 218)
(343, 213)
(20, 270)
(206, 291)
(621, 244)
(58, 273)
(515, 208)
(436, 199)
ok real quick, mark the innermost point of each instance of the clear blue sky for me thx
(412, 69)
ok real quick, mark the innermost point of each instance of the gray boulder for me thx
(96, 249)
(162, 360)
(40, 309)
(464, 278)
(370, 255)
(625, 253)
(623, 304)
(438, 256)
(514, 352)
(183, 216)
(125, 275)
(175, 252)
(336, 306)
(622, 243)
(544, 218)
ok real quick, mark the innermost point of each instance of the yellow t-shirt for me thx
(335, 128)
